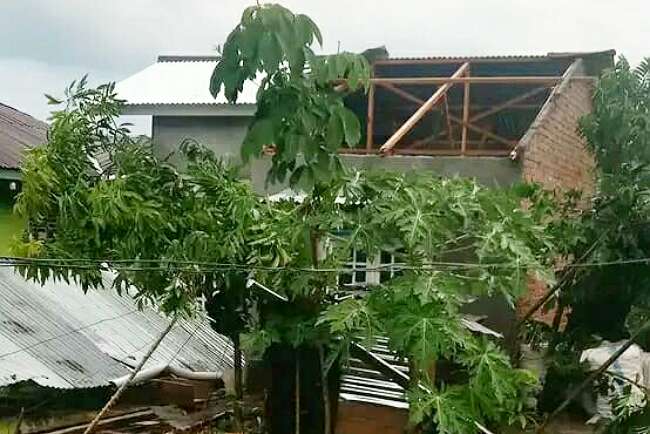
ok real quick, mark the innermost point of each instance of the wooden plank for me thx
(400, 92)
(455, 119)
(508, 104)
(490, 134)
(463, 139)
(370, 117)
(419, 113)
(450, 130)
(109, 421)
(549, 80)
(409, 150)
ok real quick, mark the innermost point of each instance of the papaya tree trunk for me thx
(297, 391)
(327, 409)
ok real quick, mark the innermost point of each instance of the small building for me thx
(18, 132)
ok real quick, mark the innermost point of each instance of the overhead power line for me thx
(206, 267)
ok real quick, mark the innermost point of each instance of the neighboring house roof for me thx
(503, 58)
(180, 83)
(57, 336)
(18, 132)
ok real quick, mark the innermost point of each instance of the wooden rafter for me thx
(540, 80)
(449, 152)
(463, 140)
(422, 111)
(507, 104)
(371, 118)
(450, 130)
(409, 96)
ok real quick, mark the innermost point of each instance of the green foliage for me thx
(450, 408)
(300, 112)
(495, 245)
(616, 228)
(618, 129)
(10, 227)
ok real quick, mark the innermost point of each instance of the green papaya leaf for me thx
(261, 134)
(351, 126)
(335, 132)
(270, 52)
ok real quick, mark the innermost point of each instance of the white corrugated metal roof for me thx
(58, 336)
(180, 80)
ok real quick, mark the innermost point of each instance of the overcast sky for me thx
(44, 44)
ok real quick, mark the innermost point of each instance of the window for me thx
(358, 260)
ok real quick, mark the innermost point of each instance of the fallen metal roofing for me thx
(18, 132)
(178, 80)
(58, 336)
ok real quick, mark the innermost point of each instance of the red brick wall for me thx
(358, 418)
(555, 155)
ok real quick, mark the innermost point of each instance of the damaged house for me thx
(498, 119)
(66, 352)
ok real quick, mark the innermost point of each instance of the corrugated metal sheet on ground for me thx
(361, 383)
(178, 80)
(58, 336)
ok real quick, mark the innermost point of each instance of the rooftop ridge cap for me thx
(187, 58)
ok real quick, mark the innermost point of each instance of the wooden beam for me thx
(419, 113)
(490, 134)
(455, 119)
(520, 79)
(463, 139)
(450, 130)
(409, 150)
(400, 92)
(507, 104)
(416, 144)
(370, 117)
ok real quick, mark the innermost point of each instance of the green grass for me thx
(10, 226)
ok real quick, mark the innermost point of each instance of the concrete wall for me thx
(486, 170)
(222, 134)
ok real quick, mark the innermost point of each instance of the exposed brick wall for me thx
(359, 418)
(556, 156)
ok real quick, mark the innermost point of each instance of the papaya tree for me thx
(302, 118)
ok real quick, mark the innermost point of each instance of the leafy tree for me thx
(300, 111)
(137, 216)
(616, 228)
